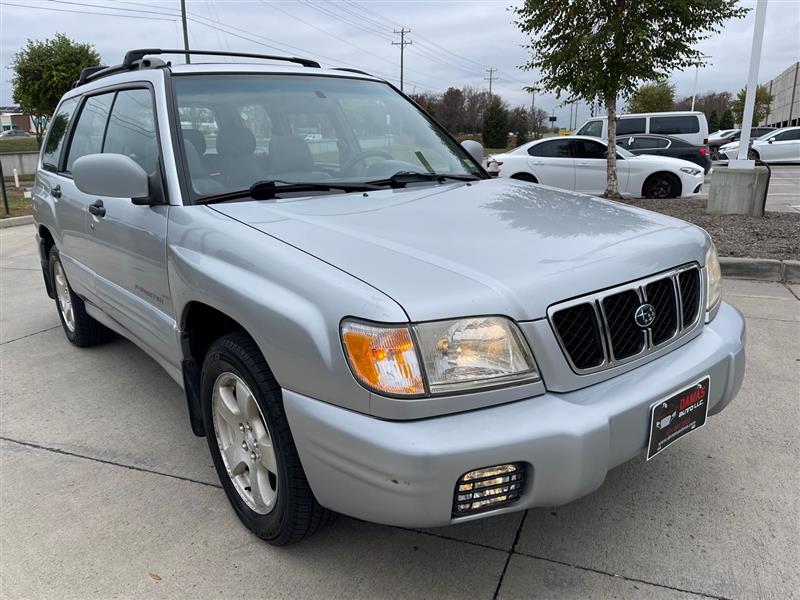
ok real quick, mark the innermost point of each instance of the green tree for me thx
(657, 96)
(761, 108)
(44, 71)
(713, 121)
(603, 49)
(522, 130)
(726, 121)
(495, 124)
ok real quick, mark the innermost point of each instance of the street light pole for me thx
(741, 161)
(696, 72)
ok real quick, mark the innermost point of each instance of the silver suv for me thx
(363, 321)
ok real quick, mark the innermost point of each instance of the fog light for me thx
(488, 488)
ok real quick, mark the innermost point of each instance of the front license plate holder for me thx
(678, 415)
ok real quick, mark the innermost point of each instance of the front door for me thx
(128, 241)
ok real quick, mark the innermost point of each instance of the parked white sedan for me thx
(578, 163)
(782, 145)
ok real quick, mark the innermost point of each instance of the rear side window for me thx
(642, 143)
(56, 133)
(589, 149)
(676, 124)
(88, 136)
(632, 125)
(132, 129)
(592, 128)
(551, 149)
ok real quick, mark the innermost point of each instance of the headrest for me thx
(196, 139)
(236, 141)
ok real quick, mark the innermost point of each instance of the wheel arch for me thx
(200, 325)
(46, 243)
(525, 176)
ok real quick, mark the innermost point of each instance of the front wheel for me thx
(661, 186)
(251, 444)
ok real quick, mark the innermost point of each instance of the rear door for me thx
(71, 205)
(552, 163)
(685, 127)
(591, 167)
(128, 241)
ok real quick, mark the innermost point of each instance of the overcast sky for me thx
(453, 42)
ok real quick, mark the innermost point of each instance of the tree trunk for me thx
(612, 185)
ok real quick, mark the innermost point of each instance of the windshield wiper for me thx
(269, 189)
(402, 178)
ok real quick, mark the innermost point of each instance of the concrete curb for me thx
(761, 269)
(16, 221)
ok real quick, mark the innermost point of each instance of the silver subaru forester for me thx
(363, 321)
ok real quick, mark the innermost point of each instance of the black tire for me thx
(86, 332)
(714, 153)
(661, 186)
(525, 177)
(752, 155)
(296, 513)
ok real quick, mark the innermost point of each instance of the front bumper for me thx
(404, 473)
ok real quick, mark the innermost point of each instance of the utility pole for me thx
(402, 43)
(490, 79)
(185, 32)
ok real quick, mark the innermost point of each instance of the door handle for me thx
(583, 164)
(538, 162)
(97, 209)
(55, 192)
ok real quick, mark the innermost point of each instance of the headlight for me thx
(458, 355)
(690, 170)
(713, 278)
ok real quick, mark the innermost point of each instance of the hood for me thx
(495, 246)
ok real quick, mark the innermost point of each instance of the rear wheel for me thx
(251, 444)
(80, 329)
(661, 185)
(525, 177)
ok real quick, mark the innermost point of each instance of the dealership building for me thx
(785, 108)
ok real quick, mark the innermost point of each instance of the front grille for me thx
(581, 335)
(600, 330)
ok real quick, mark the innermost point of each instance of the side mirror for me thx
(475, 150)
(770, 140)
(114, 175)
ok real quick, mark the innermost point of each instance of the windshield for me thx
(624, 153)
(240, 129)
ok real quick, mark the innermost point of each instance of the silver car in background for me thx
(362, 320)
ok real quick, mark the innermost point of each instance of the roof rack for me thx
(134, 59)
(349, 70)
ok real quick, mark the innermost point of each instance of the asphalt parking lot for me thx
(105, 492)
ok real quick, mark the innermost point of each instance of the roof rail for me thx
(349, 70)
(132, 58)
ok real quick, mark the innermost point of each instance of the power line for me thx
(85, 12)
(402, 43)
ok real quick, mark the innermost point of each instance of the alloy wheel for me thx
(64, 297)
(245, 443)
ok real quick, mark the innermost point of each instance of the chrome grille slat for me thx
(611, 337)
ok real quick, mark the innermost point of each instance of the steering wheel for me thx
(362, 156)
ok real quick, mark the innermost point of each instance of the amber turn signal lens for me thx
(383, 358)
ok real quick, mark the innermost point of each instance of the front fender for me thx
(290, 302)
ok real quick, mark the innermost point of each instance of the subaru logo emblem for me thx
(645, 315)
